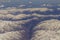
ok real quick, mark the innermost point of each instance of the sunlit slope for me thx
(29, 24)
(47, 30)
(18, 14)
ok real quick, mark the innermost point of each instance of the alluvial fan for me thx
(47, 30)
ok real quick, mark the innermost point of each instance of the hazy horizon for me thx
(34, 1)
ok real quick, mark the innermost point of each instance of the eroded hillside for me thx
(30, 24)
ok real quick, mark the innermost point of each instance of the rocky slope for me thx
(29, 24)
